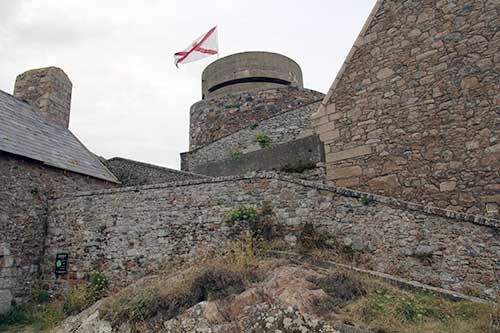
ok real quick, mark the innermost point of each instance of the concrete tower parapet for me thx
(248, 71)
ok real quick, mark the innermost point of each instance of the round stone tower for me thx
(243, 89)
(246, 95)
(249, 71)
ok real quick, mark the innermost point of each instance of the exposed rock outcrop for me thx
(283, 302)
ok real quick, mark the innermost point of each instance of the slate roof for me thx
(24, 132)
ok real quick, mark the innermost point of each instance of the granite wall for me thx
(303, 157)
(283, 127)
(128, 232)
(215, 118)
(24, 188)
(414, 112)
(131, 172)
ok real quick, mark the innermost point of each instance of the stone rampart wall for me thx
(281, 128)
(215, 118)
(128, 232)
(131, 172)
(24, 187)
(414, 111)
(304, 155)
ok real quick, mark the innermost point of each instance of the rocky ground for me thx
(283, 302)
(276, 296)
(241, 288)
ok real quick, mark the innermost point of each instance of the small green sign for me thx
(61, 263)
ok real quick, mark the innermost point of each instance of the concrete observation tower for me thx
(245, 95)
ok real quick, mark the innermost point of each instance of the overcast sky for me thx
(129, 100)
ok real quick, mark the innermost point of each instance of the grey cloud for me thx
(128, 98)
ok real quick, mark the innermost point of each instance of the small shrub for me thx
(365, 201)
(263, 140)
(310, 239)
(77, 299)
(254, 126)
(35, 191)
(243, 213)
(267, 208)
(131, 305)
(235, 154)
(404, 307)
(40, 295)
(39, 317)
(215, 282)
(259, 222)
(84, 295)
(17, 315)
(47, 316)
(342, 288)
(409, 310)
(425, 258)
(240, 255)
(98, 284)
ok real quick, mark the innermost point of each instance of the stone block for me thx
(330, 108)
(345, 172)
(390, 166)
(5, 300)
(448, 186)
(6, 261)
(385, 183)
(491, 198)
(385, 73)
(329, 135)
(354, 114)
(7, 283)
(493, 149)
(425, 55)
(319, 121)
(336, 116)
(349, 153)
(469, 82)
(491, 208)
(4, 249)
(132, 253)
(326, 127)
(320, 112)
(348, 182)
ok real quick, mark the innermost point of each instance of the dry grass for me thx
(37, 317)
(385, 308)
(215, 275)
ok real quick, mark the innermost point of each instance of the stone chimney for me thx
(49, 90)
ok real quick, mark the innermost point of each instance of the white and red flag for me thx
(204, 46)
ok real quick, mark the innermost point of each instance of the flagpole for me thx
(218, 51)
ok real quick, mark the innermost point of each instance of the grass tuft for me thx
(216, 275)
(387, 309)
(342, 288)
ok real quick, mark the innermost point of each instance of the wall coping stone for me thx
(474, 219)
(157, 167)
